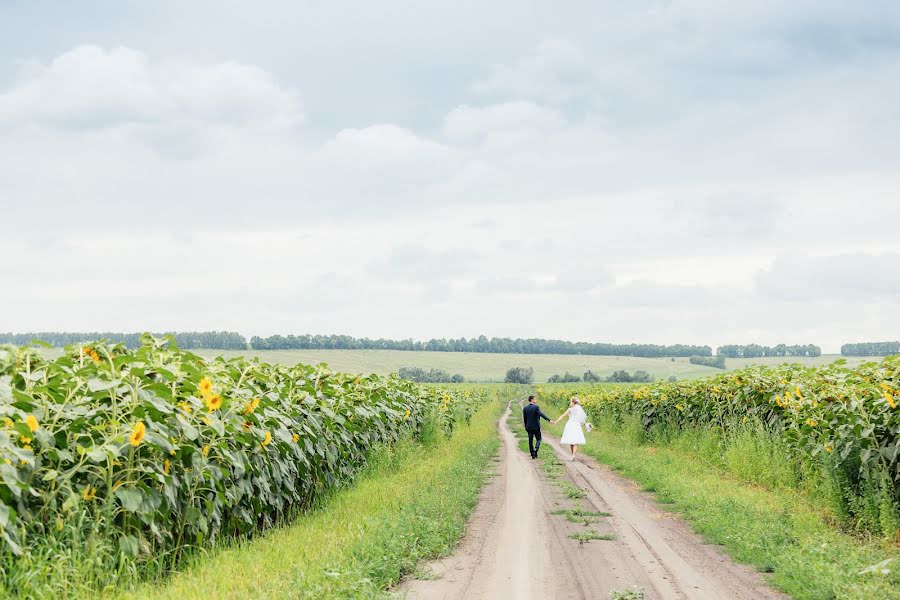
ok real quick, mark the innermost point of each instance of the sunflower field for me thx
(844, 422)
(155, 450)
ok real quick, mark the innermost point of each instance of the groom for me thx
(532, 416)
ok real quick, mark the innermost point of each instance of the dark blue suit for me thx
(532, 415)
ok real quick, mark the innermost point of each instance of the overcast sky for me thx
(691, 171)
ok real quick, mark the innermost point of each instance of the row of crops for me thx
(155, 450)
(835, 422)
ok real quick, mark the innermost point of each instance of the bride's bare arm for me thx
(558, 419)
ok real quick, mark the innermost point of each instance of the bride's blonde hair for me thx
(576, 400)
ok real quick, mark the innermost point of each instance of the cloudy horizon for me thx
(653, 172)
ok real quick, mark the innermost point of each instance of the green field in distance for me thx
(492, 367)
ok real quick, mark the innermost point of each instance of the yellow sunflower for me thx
(251, 406)
(32, 423)
(89, 493)
(213, 402)
(137, 434)
(267, 440)
(205, 386)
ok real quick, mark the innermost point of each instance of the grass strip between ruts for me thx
(777, 531)
(411, 504)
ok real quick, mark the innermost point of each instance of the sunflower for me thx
(205, 386)
(267, 440)
(295, 437)
(251, 406)
(89, 493)
(32, 423)
(137, 434)
(205, 450)
(406, 416)
(167, 466)
(213, 402)
(185, 407)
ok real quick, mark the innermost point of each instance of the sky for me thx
(651, 171)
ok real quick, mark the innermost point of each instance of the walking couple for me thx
(572, 435)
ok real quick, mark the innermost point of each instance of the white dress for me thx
(572, 434)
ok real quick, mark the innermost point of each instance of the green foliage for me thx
(622, 376)
(716, 362)
(219, 340)
(587, 536)
(479, 344)
(567, 378)
(410, 503)
(757, 351)
(871, 349)
(420, 375)
(138, 455)
(591, 377)
(627, 594)
(520, 375)
(839, 428)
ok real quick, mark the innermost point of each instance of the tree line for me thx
(871, 349)
(230, 340)
(420, 375)
(620, 376)
(187, 340)
(756, 351)
(479, 344)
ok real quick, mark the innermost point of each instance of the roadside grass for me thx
(776, 528)
(410, 503)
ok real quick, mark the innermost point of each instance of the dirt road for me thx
(517, 548)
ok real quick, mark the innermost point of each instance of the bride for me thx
(572, 434)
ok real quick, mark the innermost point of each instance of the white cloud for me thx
(467, 122)
(90, 88)
(555, 72)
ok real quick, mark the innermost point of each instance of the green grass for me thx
(476, 366)
(587, 536)
(577, 515)
(748, 505)
(411, 503)
(491, 367)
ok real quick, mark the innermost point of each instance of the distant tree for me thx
(716, 362)
(420, 375)
(622, 376)
(869, 349)
(642, 377)
(591, 377)
(672, 379)
(523, 375)
(554, 379)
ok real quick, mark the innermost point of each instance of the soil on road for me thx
(516, 548)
